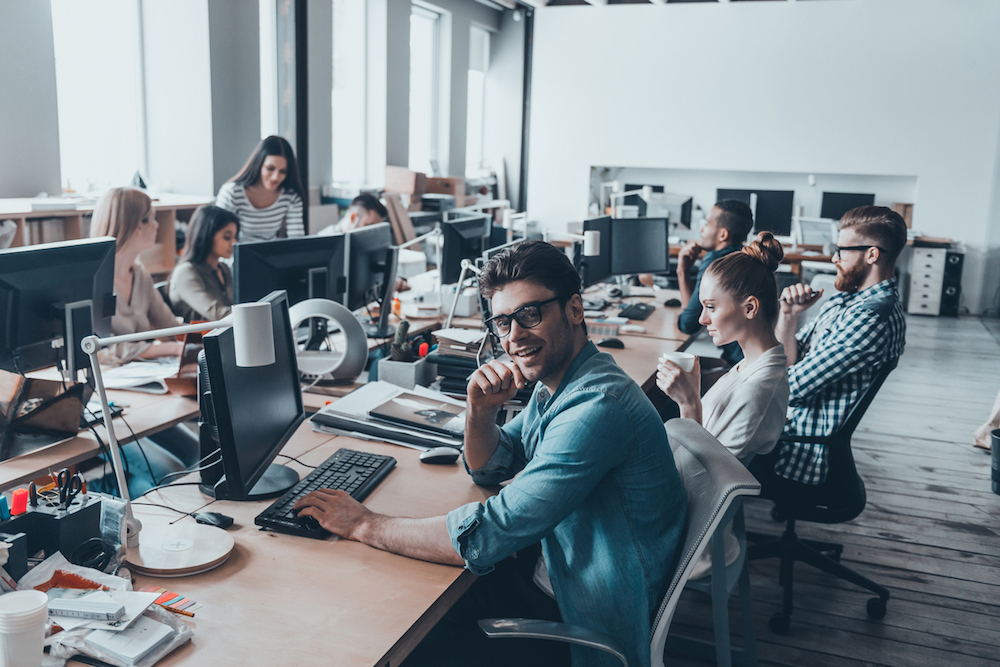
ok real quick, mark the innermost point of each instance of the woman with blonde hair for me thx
(745, 409)
(127, 215)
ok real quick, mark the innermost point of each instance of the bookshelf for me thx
(46, 226)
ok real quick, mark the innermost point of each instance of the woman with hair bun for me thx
(745, 409)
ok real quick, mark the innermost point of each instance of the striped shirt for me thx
(262, 224)
(840, 352)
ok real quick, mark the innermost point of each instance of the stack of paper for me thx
(132, 645)
(462, 343)
(397, 416)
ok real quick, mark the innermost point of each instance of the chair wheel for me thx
(876, 608)
(779, 623)
(776, 514)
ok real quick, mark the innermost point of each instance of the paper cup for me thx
(22, 628)
(682, 359)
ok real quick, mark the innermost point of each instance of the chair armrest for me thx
(527, 628)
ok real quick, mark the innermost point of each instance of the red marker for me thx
(423, 349)
(19, 502)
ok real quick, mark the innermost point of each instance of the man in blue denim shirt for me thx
(596, 480)
(724, 231)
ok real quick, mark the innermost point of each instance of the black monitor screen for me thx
(774, 208)
(367, 260)
(596, 269)
(639, 245)
(464, 238)
(307, 267)
(37, 283)
(636, 200)
(256, 410)
(836, 204)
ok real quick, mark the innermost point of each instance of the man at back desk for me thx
(724, 231)
(597, 482)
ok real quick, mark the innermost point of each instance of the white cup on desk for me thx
(683, 359)
(22, 628)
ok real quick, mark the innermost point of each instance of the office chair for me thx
(716, 479)
(164, 289)
(840, 498)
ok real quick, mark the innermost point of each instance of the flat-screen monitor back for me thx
(636, 200)
(367, 257)
(37, 283)
(464, 238)
(255, 410)
(305, 267)
(836, 204)
(774, 208)
(639, 245)
(598, 268)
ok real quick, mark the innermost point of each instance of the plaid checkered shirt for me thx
(840, 352)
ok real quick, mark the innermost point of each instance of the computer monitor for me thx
(598, 268)
(371, 273)
(639, 245)
(52, 296)
(772, 209)
(836, 204)
(249, 413)
(466, 237)
(306, 268)
(636, 200)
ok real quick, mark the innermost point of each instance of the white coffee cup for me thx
(22, 628)
(683, 359)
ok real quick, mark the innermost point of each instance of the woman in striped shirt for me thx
(267, 194)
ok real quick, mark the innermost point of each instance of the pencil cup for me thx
(22, 628)
(683, 359)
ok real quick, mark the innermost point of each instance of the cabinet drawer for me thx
(925, 308)
(931, 286)
(929, 259)
(927, 302)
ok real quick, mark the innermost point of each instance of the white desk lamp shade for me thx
(591, 243)
(253, 335)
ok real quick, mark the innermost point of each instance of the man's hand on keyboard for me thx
(336, 511)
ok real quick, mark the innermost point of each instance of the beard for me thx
(849, 279)
(556, 354)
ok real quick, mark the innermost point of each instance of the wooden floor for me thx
(930, 532)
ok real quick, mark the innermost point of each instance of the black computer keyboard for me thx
(352, 471)
(637, 311)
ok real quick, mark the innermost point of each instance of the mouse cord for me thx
(168, 507)
(306, 465)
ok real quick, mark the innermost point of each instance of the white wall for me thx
(179, 96)
(886, 88)
(29, 122)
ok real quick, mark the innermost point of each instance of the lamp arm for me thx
(92, 345)
(434, 232)
(467, 266)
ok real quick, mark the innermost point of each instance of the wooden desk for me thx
(805, 252)
(146, 414)
(287, 600)
(661, 324)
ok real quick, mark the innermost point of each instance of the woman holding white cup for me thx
(745, 410)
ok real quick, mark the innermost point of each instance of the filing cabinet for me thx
(935, 282)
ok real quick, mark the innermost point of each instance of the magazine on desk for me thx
(352, 415)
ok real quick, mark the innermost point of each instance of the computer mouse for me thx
(672, 303)
(213, 519)
(613, 343)
(614, 292)
(632, 328)
(439, 455)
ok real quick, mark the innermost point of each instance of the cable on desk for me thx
(304, 465)
(166, 507)
(163, 486)
(179, 473)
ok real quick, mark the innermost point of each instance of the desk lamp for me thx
(183, 548)
(646, 192)
(511, 221)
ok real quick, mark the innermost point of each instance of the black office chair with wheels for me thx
(840, 498)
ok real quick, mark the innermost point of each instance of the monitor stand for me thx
(274, 482)
(382, 328)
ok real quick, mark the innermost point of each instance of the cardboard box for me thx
(448, 186)
(905, 210)
(403, 181)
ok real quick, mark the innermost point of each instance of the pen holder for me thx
(407, 374)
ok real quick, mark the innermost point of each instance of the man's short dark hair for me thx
(737, 218)
(370, 203)
(534, 261)
(880, 225)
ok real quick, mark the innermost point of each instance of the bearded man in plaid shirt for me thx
(833, 359)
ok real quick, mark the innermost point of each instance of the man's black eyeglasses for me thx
(841, 248)
(527, 316)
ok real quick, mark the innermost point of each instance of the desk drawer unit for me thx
(935, 282)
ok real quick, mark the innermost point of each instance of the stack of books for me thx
(455, 357)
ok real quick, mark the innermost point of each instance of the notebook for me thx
(423, 413)
(134, 643)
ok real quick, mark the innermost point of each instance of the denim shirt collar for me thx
(542, 393)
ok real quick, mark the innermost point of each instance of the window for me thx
(98, 85)
(425, 42)
(479, 64)
(268, 21)
(349, 91)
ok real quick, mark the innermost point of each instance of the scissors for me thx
(69, 485)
